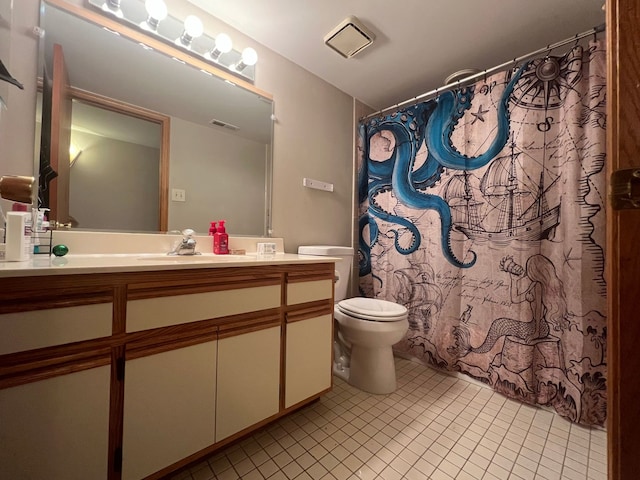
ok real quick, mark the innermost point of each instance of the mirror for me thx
(217, 140)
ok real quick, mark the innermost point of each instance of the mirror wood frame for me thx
(140, 112)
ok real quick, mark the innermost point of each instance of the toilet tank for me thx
(343, 267)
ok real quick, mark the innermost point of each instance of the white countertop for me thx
(132, 262)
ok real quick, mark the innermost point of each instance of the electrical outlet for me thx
(178, 195)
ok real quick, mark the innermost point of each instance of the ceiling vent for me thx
(349, 37)
(221, 124)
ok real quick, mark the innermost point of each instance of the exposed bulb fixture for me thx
(158, 23)
(223, 45)
(193, 28)
(113, 7)
(156, 12)
(249, 57)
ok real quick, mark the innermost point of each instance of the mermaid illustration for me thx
(537, 284)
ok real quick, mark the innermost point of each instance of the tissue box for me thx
(266, 248)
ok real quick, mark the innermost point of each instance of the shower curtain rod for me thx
(470, 78)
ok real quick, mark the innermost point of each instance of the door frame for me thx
(623, 238)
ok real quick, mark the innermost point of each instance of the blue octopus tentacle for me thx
(443, 121)
(415, 199)
(415, 243)
(404, 189)
(365, 247)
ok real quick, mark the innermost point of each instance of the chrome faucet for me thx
(186, 246)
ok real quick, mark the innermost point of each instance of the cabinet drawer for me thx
(302, 292)
(149, 313)
(21, 331)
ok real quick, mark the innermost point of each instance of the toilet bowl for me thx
(366, 329)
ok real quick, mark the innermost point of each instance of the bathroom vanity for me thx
(126, 366)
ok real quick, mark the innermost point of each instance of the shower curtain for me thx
(482, 211)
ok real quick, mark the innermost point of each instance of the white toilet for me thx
(366, 330)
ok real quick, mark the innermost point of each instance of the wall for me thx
(220, 179)
(313, 137)
(117, 175)
(313, 133)
(18, 51)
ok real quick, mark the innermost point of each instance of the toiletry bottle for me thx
(221, 240)
(212, 232)
(18, 246)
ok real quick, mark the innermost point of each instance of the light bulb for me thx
(156, 11)
(249, 56)
(193, 26)
(224, 43)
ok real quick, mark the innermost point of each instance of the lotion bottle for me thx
(212, 232)
(18, 232)
(221, 240)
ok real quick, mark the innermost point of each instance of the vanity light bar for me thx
(149, 17)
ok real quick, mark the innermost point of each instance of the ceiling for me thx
(418, 42)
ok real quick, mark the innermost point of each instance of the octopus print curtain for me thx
(482, 211)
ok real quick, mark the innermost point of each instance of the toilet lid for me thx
(373, 309)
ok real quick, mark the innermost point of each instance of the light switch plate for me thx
(178, 195)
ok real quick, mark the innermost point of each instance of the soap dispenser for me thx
(221, 240)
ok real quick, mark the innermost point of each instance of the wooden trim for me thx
(151, 342)
(623, 235)
(26, 367)
(248, 325)
(308, 310)
(188, 283)
(296, 277)
(156, 44)
(12, 301)
(613, 255)
(164, 121)
(116, 413)
(163, 187)
(119, 309)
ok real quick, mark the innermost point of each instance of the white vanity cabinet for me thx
(169, 408)
(135, 374)
(248, 383)
(55, 380)
(57, 428)
(309, 337)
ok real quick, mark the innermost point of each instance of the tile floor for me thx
(435, 426)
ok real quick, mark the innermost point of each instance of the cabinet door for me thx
(308, 358)
(248, 380)
(169, 408)
(56, 428)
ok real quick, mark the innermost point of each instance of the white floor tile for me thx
(434, 427)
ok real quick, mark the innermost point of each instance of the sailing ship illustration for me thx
(503, 189)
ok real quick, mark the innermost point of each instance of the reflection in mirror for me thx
(112, 152)
(218, 138)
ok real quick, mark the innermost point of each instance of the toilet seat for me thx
(372, 309)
